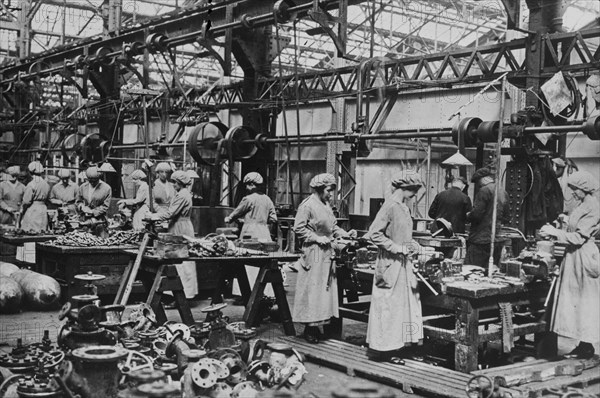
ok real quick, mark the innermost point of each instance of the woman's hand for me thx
(352, 234)
(227, 220)
(323, 240)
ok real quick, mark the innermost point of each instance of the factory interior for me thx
(299, 198)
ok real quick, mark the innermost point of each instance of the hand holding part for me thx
(352, 234)
(547, 231)
(323, 240)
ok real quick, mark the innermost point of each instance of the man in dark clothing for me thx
(480, 235)
(452, 205)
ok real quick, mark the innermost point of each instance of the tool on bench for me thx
(444, 228)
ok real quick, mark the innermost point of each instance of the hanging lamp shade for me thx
(457, 160)
(192, 173)
(107, 168)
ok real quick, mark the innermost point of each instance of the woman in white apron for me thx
(575, 314)
(316, 298)
(178, 215)
(35, 212)
(11, 196)
(395, 318)
(140, 205)
(258, 211)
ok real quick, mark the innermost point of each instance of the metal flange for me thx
(159, 389)
(100, 353)
(204, 374)
(246, 389)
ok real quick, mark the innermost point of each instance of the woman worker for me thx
(93, 200)
(316, 298)
(575, 314)
(395, 318)
(64, 193)
(35, 212)
(163, 191)
(178, 215)
(11, 196)
(257, 209)
(141, 203)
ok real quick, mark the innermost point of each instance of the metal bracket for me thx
(513, 13)
(324, 19)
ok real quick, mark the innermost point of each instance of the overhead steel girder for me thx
(180, 29)
(462, 66)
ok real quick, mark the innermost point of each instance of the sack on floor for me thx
(7, 269)
(11, 295)
(40, 291)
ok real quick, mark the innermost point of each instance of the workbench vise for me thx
(536, 264)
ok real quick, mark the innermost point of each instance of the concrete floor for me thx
(320, 381)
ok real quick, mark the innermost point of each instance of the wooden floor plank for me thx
(536, 389)
(428, 368)
(406, 376)
(350, 360)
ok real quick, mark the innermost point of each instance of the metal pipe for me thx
(491, 265)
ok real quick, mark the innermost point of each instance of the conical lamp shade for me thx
(457, 160)
(192, 174)
(107, 168)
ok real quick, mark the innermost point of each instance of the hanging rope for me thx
(285, 128)
(297, 80)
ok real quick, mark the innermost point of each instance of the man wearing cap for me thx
(395, 317)
(35, 212)
(93, 200)
(11, 196)
(141, 203)
(480, 235)
(163, 191)
(452, 205)
(560, 168)
(64, 194)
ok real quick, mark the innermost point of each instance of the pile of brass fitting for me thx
(99, 354)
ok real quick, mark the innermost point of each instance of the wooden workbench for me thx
(64, 262)
(468, 313)
(10, 243)
(160, 275)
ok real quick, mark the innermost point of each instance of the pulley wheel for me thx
(488, 131)
(467, 128)
(203, 143)
(591, 128)
(71, 145)
(281, 10)
(240, 147)
(94, 148)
